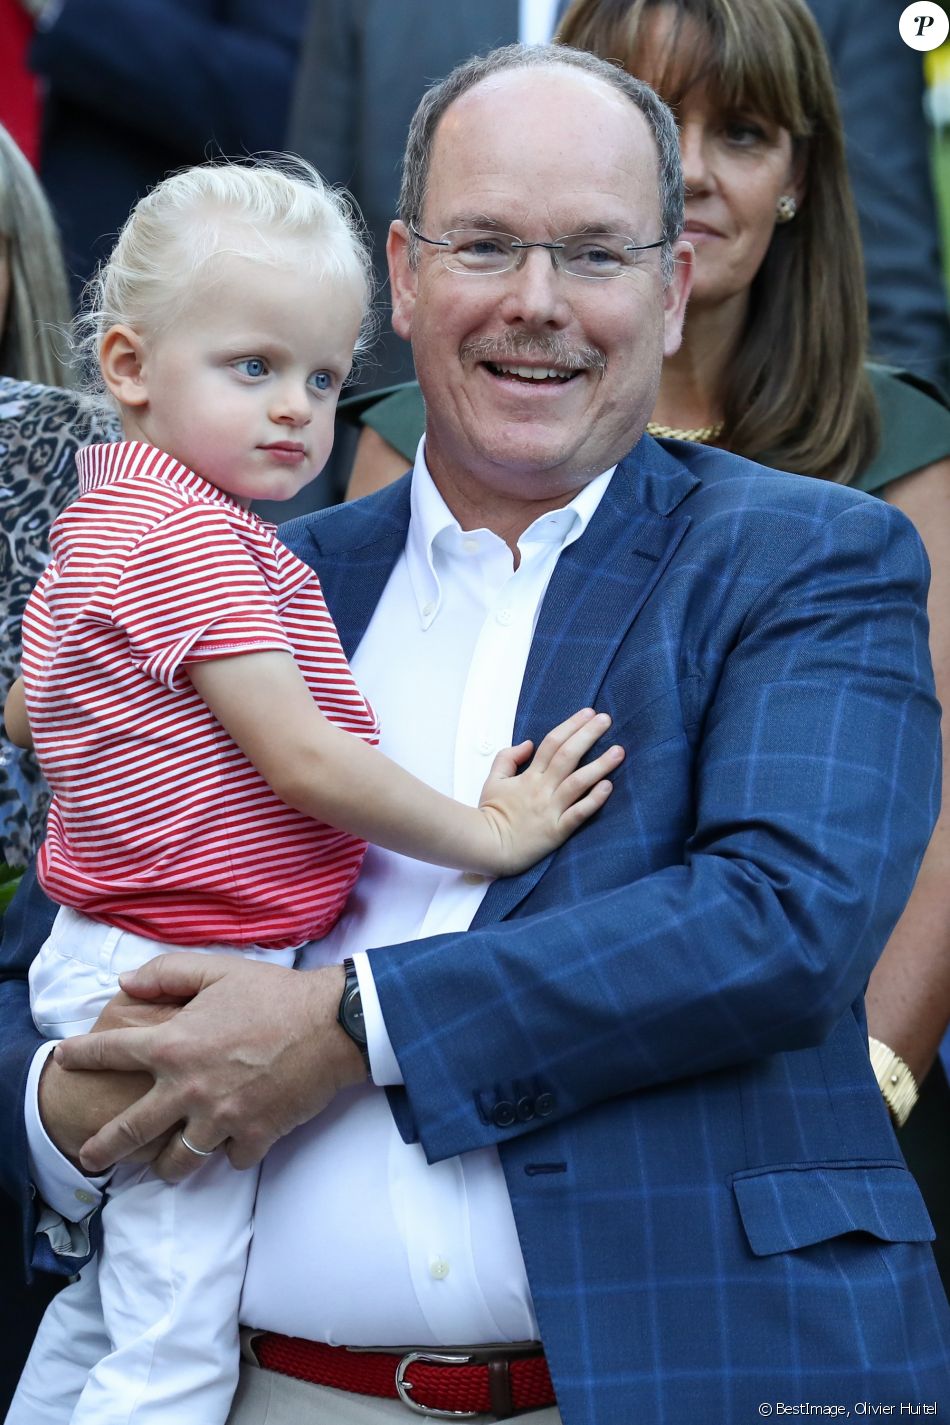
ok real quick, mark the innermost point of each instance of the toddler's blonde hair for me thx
(274, 209)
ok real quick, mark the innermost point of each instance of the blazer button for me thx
(544, 1104)
(524, 1109)
(503, 1114)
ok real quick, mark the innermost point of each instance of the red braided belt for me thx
(490, 1380)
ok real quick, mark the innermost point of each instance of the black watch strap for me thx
(350, 1014)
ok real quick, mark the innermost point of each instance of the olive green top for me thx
(915, 427)
(915, 423)
(397, 413)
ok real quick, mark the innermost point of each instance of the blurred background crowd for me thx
(100, 98)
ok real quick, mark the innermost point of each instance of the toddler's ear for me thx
(120, 360)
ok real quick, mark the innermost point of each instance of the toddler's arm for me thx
(264, 704)
(15, 721)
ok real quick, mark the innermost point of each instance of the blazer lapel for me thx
(598, 587)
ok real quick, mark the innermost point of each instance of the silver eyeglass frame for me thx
(520, 250)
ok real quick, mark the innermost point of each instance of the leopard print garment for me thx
(41, 428)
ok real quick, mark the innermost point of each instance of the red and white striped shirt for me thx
(159, 823)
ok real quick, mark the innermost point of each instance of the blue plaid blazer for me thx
(661, 1027)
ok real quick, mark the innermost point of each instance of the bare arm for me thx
(265, 705)
(908, 998)
(259, 1025)
(15, 720)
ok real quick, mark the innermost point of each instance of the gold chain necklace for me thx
(699, 433)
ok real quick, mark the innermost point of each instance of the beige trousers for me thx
(266, 1398)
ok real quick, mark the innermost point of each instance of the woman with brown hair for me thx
(773, 366)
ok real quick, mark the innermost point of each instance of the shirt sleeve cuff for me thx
(64, 1188)
(383, 1062)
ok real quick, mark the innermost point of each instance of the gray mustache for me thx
(549, 351)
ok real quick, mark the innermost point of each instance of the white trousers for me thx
(148, 1335)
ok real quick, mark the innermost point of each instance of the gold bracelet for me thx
(895, 1080)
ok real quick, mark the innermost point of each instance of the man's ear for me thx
(120, 360)
(403, 279)
(675, 295)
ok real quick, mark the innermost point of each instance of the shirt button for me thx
(486, 746)
(83, 1196)
(470, 545)
(473, 878)
(438, 1268)
(427, 609)
(504, 616)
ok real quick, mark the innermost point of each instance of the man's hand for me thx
(74, 1105)
(254, 1052)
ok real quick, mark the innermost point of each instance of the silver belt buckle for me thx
(403, 1386)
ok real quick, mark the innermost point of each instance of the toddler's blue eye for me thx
(253, 366)
(321, 380)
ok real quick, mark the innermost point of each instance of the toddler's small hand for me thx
(534, 813)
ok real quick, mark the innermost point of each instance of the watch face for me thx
(351, 1015)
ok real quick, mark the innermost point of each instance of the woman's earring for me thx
(785, 208)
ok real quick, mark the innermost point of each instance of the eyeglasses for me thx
(479, 252)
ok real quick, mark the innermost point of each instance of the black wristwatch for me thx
(350, 1014)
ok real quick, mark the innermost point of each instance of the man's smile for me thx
(530, 373)
(540, 362)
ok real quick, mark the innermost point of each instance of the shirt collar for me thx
(135, 460)
(432, 525)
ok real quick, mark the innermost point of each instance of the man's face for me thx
(540, 154)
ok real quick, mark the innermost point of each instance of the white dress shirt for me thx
(357, 1240)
